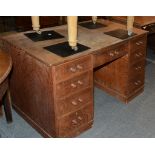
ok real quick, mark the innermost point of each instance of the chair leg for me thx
(1, 113)
(7, 107)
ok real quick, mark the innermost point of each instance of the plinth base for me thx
(64, 50)
(91, 25)
(119, 33)
(45, 35)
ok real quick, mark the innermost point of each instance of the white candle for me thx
(35, 23)
(130, 21)
(72, 31)
(94, 19)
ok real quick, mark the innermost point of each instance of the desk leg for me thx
(7, 107)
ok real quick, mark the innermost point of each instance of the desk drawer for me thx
(105, 56)
(74, 102)
(138, 42)
(75, 84)
(137, 55)
(75, 120)
(137, 68)
(72, 68)
(135, 82)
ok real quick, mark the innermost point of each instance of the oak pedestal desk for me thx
(55, 94)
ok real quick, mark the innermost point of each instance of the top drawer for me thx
(138, 42)
(72, 68)
(108, 55)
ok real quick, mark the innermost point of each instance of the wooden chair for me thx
(5, 68)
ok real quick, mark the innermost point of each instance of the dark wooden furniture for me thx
(5, 68)
(23, 23)
(139, 21)
(55, 94)
(7, 23)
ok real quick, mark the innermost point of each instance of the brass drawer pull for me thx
(80, 118)
(79, 67)
(80, 100)
(73, 70)
(73, 85)
(141, 42)
(116, 52)
(74, 103)
(138, 68)
(138, 54)
(111, 54)
(137, 43)
(80, 82)
(74, 122)
(137, 82)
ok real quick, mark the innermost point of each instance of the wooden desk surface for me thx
(95, 39)
(5, 65)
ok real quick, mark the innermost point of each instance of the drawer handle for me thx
(73, 85)
(80, 82)
(74, 122)
(80, 100)
(73, 70)
(116, 52)
(141, 42)
(74, 103)
(80, 118)
(137, 43)
(137, 83)
(79, 67)
(111, 54)
(138, 68)
(139, 54)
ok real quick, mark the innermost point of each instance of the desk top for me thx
(95, 39)
(5, 65)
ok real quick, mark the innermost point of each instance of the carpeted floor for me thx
(112, 118)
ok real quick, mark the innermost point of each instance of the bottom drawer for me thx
(135, 83)
(75, 120)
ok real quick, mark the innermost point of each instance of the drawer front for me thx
(105, 56)
(137, 55)
(138, 42)
(137, 68)
(72, 68)
(74, 102)
(74, 85)
(136, 82)
(74, 121)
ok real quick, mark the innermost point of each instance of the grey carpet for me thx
(151, 55)
(112, 118)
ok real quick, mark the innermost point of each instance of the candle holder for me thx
(91, 25)
(63, 49)
(120, 33)
(44, 35)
